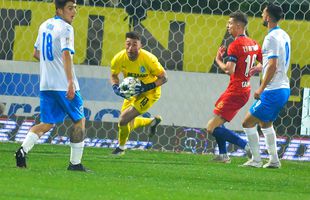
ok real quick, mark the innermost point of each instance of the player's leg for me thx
(142, 104)
(213, 123)
(271, 144)
(77, 146)
(75, 110)
(124, 128)
(2, 108)
(31, 138)
(277, 100)
(48, 106)
(226, 108)
(250, 129)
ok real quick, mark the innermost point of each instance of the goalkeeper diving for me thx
(133, 61)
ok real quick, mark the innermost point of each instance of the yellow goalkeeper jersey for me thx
(146, 67)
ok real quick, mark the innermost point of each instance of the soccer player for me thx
(274, 89)
(59, 88)
(136, 62)
(242, 54)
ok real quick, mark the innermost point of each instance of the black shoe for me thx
(78, 167)
(153, 128)
(118, 151)
(20, 157)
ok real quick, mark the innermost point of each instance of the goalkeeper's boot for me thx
(252, 163)
(274, 165)
(156, 121)
(77, 167)
(118, 152)
(20, 156)
(222, 158)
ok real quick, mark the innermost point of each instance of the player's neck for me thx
(272, 26)
(241, 34)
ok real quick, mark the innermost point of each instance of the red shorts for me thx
(228, 105)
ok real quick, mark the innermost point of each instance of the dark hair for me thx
(275, 11)
(133, 35)
(240, 17)
(62, 3)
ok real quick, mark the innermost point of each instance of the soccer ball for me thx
(127, 86)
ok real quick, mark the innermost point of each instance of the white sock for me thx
(153, 122)
(122, 147)
(271, 143)
(30, 140)
(253, 138)
(76, 152)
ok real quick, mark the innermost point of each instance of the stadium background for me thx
(185, 35)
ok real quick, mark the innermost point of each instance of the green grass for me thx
(145, 175)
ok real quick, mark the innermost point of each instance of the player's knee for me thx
(78, 134)
(123, 121)
(246, 124)
(209, 129)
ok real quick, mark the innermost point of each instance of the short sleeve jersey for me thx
(146, 67)
(277, 44)
(55, 36)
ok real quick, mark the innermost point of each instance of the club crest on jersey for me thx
(142, 69)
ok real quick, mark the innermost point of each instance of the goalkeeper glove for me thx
(144, 87)
(117, 90)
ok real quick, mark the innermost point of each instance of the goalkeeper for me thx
(139, 63)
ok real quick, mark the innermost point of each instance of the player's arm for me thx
(159, 72)
(270, 71)
(256, 69)
(229, 67)
(114, 79)
(161, 79)
(36, 54)
(67, 60)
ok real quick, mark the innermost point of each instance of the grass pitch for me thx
(145, 175)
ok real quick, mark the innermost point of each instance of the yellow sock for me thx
(141, 121)
(123, 134)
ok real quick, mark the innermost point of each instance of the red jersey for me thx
(244, 52)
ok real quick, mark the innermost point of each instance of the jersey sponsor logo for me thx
(135, 75)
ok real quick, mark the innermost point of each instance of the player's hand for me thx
(117, 91)
(71, 90)
(220, 52)
(144, 87)
(255, 69)
(257, 93)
